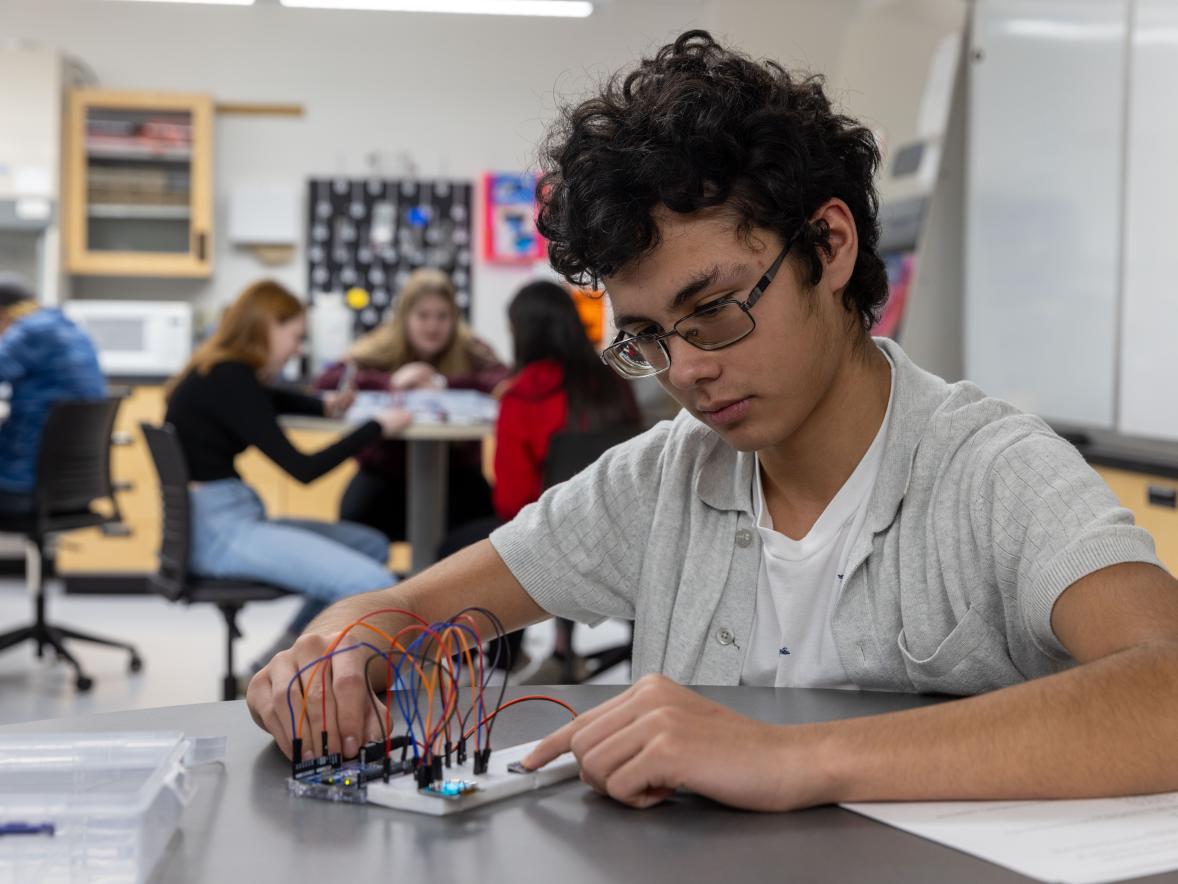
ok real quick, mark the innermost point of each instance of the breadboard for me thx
(496, 784)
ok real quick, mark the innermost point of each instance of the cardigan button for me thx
(744, 537)
(724, 636)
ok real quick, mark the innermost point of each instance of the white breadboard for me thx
(495, 785)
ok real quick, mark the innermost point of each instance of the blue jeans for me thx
(323, 561)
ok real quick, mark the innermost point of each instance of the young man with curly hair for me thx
(822, 513)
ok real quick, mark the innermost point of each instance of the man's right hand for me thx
(351, 720)
(430, 597)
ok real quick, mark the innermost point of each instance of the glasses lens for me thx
(636, 357)
(716, 325)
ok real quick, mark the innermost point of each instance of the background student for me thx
(220, 405)
(46, 359)
(425, 344)
(560, 384)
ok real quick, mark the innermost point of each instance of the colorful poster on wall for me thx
(509, 219)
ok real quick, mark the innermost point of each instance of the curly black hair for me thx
(699, 126)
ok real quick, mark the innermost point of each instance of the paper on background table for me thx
(1075, 842)
(428, 406)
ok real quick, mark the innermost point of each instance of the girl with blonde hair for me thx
(426, 343)
(221, 404)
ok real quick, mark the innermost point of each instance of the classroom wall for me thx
(459, 94)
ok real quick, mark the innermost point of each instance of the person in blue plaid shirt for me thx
(45, 359)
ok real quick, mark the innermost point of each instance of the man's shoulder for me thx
(972, 435)
(970, 418)
(677, 444)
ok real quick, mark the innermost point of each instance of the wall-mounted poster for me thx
(366, 235)
(509, 219)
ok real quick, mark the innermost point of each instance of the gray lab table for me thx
(242, 825)
(428, 457)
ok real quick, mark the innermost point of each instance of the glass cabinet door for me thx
(140, 184)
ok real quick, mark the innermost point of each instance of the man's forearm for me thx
(1105, 728)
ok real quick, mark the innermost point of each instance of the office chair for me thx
(73, 471)
(569, 452)
(173, 579)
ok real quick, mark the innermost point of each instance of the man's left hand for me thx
(658, 736)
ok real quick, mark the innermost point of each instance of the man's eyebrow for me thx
(704, 279)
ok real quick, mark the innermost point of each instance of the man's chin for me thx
(742, 436)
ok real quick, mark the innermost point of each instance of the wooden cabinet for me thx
(1152, 500)
(91, 552)
(139, 198)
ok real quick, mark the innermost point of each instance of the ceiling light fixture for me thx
(557, 8)
(207, 2)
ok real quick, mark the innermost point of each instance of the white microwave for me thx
(139, 338)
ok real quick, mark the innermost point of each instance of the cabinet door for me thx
(139, 168)
(1043, 209)
(90, 551)
(1151, 500)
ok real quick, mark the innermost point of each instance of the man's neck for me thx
(803, 474)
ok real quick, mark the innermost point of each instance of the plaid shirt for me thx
(46, 359)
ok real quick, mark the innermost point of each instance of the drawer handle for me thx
(1162, 495)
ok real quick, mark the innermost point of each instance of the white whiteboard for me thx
(1148, 393)
(1043, 213)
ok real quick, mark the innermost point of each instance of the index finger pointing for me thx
(560, 740)
(552, 746)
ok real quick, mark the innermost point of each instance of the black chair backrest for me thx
(171, 579)
(570, 451)
(73, 462)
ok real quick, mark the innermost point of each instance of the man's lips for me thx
(724, 411)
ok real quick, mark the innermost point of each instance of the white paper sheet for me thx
(1074, 842)
(428, 406)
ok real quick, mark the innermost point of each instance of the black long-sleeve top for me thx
(220, 414)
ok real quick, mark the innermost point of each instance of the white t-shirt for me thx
(792, 643)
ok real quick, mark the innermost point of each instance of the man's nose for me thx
(689, 365)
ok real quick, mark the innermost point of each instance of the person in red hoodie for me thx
(560, 384)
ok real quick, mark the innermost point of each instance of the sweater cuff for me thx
(1119, 545)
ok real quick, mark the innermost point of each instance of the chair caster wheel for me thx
(83, 684)
(136, 664)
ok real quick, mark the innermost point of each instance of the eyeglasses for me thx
(715, 325)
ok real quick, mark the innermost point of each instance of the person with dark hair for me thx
(822, 513)
(45, 359)
(560, 384)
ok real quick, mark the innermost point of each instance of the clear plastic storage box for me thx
(92, 807)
